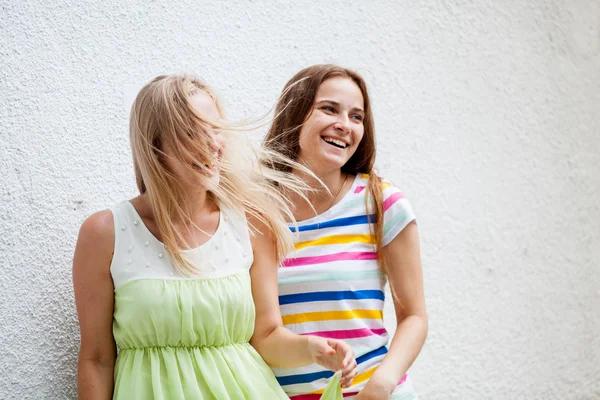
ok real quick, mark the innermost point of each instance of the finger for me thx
(348, 369)
(347, 381)
(348, 375)
(328, 350)
(334, 343)
(342, 348)
(349, 356)
(325, 348)
(352, 374)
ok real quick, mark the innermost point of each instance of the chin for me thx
(332, 163)
(324, 162)
(214, 179)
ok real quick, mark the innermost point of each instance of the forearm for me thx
(282, 348)
(95, 380)
(405, 347)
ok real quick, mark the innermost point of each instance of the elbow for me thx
(420, 321)
(425, 325)
(96, 363)
(260, 338)
(97, 357)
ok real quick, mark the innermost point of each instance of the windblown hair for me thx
(163, 115)
(293, 108)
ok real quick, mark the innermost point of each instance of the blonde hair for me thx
(163, 115)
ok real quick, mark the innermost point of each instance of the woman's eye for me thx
(328, 109)
(358, 117)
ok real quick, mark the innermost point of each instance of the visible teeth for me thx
(335, 141)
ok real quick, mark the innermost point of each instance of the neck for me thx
(197, 202)
(333, 181)
(322, 197)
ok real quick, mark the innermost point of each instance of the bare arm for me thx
(94, 298)
(406, 279)
(278, 346)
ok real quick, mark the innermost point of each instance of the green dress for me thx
(181, 338)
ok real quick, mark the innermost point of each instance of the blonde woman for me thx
(352, 237)
(182, 279)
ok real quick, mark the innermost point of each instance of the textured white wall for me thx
(488, 116)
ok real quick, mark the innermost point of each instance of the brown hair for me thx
(293, 108)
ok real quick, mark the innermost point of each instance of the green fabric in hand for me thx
(333, 391)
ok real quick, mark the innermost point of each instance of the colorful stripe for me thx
(363, 376)
(367, 374)
(331, 276)
(372, 354)
(346, 221)
(343, 256)
(398, 220)
(317, 396)
(349, 334)
(304, 378)
(329, 296)
(392, 199)
(331, 316)
(336, 239)
(384, 186)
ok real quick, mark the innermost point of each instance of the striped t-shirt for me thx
(331, 286)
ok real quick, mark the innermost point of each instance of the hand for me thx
(334, 355)
(375, 391)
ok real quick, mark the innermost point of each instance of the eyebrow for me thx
(335, 103)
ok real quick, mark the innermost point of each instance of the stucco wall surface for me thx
(488, 118)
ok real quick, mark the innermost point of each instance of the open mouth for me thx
(205, 168)
(340, 144)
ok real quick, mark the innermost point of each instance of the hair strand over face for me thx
(163, 114)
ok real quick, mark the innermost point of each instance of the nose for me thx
(342, 124)
(217, 143)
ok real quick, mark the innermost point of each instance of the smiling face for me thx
(205, 105)
(334, 127)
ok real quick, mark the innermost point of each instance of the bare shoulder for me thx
(258, 226)
(261, 234)
(98, 226)
(95, 244)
